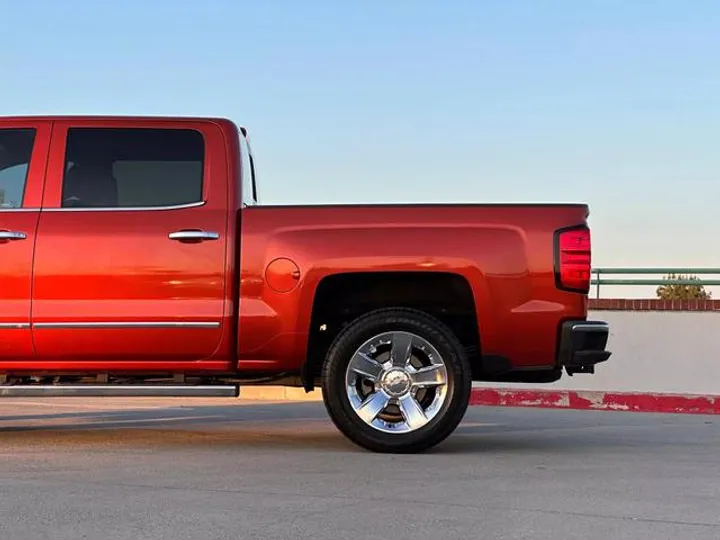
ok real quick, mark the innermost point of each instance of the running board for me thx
(118, 390)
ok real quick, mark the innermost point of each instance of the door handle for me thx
(12, 235)
(193, 236)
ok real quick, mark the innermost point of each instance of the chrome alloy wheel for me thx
(397, 382)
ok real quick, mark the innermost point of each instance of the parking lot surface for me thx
(214, 469)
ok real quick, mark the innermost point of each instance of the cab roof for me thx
(115, 118)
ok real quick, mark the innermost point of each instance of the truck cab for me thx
(119, 245)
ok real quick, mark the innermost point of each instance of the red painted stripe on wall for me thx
(596, 401)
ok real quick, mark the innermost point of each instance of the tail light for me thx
(573, 259)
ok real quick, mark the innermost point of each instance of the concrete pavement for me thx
(218, 468)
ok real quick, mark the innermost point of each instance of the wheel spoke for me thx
(401, 349)
(434, 375)
(412, 412)
(372, 406)
(362, 364)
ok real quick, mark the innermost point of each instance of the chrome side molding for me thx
(129, 324)
(110, 324)
(14, 326)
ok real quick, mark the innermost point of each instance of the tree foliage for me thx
(673, 291)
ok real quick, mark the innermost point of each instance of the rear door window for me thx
(133, 168)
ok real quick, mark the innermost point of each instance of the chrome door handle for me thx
(12, 235)
(190, 235)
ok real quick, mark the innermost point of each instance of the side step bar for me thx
(118, 390)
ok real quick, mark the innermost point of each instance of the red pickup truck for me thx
(136, 261)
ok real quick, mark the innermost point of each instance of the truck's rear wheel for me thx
(396, 380)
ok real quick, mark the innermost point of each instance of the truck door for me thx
(23, 156)
(130, 256)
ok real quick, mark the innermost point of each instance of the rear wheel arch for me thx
(340, 298)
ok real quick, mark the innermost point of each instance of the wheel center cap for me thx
(396, 382)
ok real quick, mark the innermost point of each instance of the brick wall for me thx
(652, 304)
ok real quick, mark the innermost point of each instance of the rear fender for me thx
(274, 325)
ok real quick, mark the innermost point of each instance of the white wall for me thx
(671, 352)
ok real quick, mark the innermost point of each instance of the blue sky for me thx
(614, 103)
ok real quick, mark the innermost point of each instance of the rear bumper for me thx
(582, 345)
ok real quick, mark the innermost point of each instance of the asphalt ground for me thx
(207, 469)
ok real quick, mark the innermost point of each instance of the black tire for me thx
(337, 401)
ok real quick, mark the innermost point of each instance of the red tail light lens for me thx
(573, 259)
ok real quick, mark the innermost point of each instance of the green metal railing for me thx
(599, 280)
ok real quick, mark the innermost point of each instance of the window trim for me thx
(23, 209)
(247, 199)
(196, 204)
(254, 184)
(128, 208)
